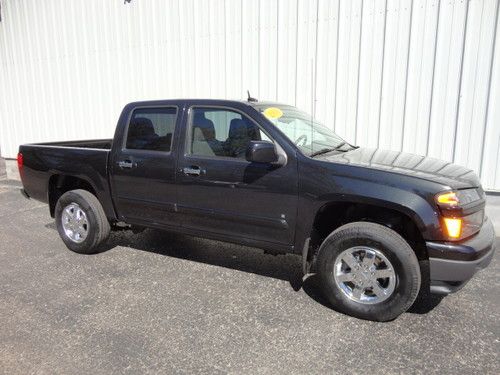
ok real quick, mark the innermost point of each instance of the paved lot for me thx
(167, 303)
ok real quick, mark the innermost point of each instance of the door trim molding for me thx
(277, 223)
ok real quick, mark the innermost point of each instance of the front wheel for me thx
(81, 221)
(368, 271)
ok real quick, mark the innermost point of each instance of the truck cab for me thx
(183, 164)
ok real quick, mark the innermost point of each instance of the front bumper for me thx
(452, 265)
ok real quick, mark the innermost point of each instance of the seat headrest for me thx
(238, 128)
(203, 128)
(142, 127)
(199, 116)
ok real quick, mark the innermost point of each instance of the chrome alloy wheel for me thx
(364, 275)
(75, 223)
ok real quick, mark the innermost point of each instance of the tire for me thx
(85, 238)
(381, 299)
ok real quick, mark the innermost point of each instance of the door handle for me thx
(192, 171)
(127, 164)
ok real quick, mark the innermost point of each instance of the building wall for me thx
(417, 75)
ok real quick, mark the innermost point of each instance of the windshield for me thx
(310, 136)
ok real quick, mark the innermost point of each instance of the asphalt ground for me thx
(162, 303)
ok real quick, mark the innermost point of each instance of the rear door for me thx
(143, 166)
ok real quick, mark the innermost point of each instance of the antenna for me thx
(250, 99)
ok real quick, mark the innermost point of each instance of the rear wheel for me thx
(368, 271)
(81, 221)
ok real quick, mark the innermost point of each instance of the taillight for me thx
(20, 161)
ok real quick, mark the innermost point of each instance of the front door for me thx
(143, 169)
(221, 192)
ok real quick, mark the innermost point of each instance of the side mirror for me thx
(261, 152)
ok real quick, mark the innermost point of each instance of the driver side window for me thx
(221, 132)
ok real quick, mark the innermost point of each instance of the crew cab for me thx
(375, 225)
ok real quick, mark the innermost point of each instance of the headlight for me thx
(458, 223)
(457, 198)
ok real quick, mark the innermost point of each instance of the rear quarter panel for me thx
(41, 162)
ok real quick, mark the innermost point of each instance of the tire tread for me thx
(102, 227)
(374, 231)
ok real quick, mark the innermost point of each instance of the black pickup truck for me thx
(367, 221)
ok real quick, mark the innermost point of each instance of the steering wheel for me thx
(302, 138)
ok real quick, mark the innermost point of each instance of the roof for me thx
(207, 102)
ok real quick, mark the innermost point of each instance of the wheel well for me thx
(60, 184)
(333, 215)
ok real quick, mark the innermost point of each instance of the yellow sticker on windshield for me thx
(273, 113)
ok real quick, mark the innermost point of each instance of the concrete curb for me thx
(10, 184)
(493, 211)
(11, 170)
(3, 173)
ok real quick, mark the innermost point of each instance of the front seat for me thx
(239, 138)
(204, 141)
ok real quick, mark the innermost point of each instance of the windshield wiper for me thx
(322, 151)
(339, 146)
(327, 149)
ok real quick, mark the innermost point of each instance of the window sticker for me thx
(273, 113)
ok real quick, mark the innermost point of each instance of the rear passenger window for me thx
(151, 129)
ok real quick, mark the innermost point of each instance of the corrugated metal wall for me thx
(418, 75)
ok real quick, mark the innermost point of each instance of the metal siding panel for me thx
(305, 59)
(268, 49)
(3, 84)
(5, 138)
(23, 116)
(113, 67)
(490, 171)
(370, 72)
(418, 74)
(396, 57)
(173, 63)
(446, 89)
(233, 50)
(65, 70)
(250, 47)
(475, 82)
(217, 52)
(326, 74)
(347, 72)
(12, 88)
(287, 45)
(193, 61)
(41, 131)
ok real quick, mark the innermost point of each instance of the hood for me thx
(440, 171)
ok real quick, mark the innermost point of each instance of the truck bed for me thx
(104, 144)
(46, 163)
